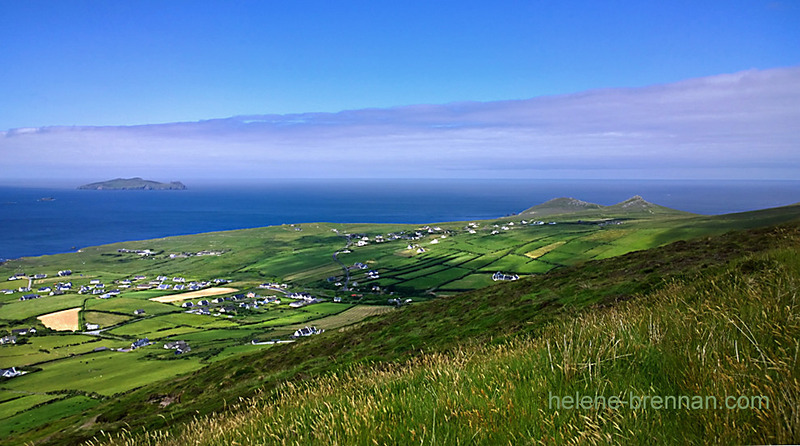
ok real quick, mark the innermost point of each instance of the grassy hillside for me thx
(729, 336)
(636, 323)
(75, 392)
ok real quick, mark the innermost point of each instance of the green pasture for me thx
(22, 422)
(219, 335)
(48, 348)
(104, 319)
(469, 282)
(106, 373)
(23, 402)
(21, 310)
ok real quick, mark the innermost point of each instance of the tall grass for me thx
(733, 333)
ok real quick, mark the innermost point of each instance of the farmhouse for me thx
(92, 326)
(10, 373)
(30, 297)
(178, 346)
(140, 343)
(306, 331)
(8, 340)
(138, 312)
(500, 276)
(23, 331)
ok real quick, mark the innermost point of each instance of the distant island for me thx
(133, 184)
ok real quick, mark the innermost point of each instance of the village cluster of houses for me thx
(303, 299)
(274, 286)
(177, 284)
(57, 289)
(12, 338)
(97, 287)
(204, 304)
(184, 255)
(141, 252)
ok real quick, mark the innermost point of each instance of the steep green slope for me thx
(488, 317)
(712, 360)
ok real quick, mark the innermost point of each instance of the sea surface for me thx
(79, 218)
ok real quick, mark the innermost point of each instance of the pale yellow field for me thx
(62, 320)
(193, 294)
(536, 253)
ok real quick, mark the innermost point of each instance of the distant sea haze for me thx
(80, 218)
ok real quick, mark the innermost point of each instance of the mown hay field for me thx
(62, 320)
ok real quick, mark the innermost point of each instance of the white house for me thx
(306, 331)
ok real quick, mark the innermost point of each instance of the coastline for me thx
(80, 218)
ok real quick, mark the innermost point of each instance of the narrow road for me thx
(346, 286)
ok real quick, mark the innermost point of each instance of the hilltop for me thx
(133, 184)
(564, 206)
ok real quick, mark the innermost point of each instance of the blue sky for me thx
(525, 89)
(142, 62)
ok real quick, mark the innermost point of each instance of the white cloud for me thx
(720, 126)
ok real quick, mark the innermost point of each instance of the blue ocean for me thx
(70, 219)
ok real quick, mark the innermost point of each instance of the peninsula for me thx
(133, 184)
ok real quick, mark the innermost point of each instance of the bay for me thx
(78, 218)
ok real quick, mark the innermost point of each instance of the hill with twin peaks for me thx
(572, 206)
